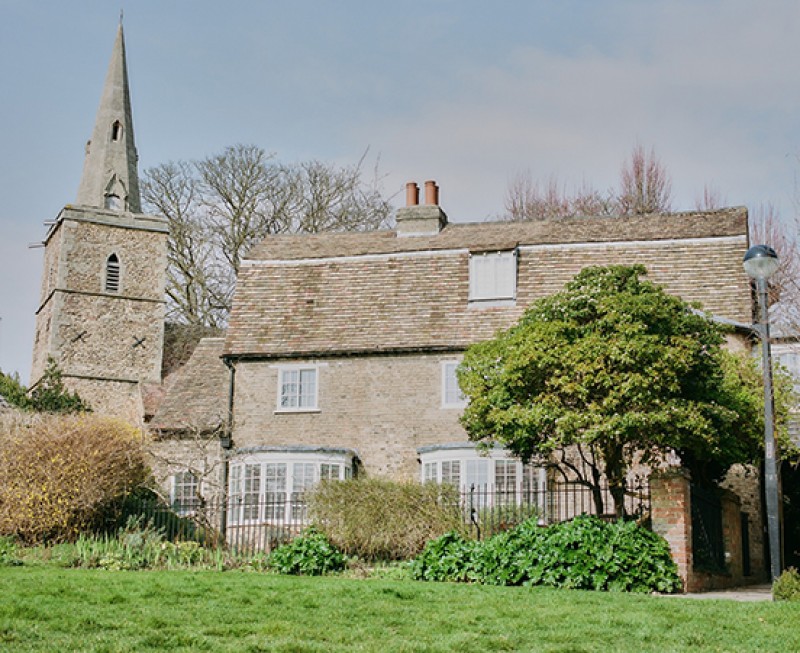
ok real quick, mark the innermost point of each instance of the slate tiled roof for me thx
(198, 395)
(340, 294)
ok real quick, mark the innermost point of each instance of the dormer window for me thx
(112, 274)
(493, 277)
(116, 131)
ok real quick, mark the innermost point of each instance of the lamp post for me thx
(760, 263)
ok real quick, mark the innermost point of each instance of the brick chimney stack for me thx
(415, 219)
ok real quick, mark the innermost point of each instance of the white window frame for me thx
(450, 386)
(306, 402)
(442, 464)
(185, 492)
(265, 487)
(493, 277)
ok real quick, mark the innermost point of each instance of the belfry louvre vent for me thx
(112, 274)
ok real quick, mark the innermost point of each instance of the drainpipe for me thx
(226, 443)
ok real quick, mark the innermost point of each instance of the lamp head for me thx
(761, 262)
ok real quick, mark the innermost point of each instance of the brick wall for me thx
(671, 514)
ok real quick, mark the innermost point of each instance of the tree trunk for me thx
(597, 494)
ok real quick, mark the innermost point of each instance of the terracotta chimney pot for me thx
(431, 193)
(412, 194)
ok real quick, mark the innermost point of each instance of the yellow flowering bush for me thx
(59, 473)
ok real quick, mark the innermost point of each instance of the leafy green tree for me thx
(12, 390)
(52, 396)
(620, 371)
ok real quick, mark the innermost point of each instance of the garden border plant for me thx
(584, 553)
(378, 519)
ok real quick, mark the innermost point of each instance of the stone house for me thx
(342, 348)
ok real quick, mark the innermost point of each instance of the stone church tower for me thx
(101, 312)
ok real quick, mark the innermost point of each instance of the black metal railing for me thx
(260, 523)
(490, 511)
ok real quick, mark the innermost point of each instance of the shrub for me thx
(59, 473)
(787, 586)
(51, 395)
(308, 555)
(377, 519)
(585, 553)
(450, 557)
(8, 553)
(499, 518)
(12, 390)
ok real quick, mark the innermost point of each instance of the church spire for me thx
(110, 178)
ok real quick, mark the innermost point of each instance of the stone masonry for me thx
(383, 407)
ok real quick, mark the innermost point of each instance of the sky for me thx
(468, 93)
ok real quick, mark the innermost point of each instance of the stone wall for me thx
(98, 337)
(118, 398)
(87, 245)
(383, 407)
(196, 452)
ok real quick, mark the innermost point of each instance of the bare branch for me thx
(222, 206)
(645, 185)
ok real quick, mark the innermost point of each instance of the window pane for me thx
(452, 393)
(308, 388)
(185, 492)
(289, 388)
(298, 388)
(477, 473)
(275, 477)
(235, 490)
(330, 471)
(302, 476)
(533, 482)
(505, 480)
(451, 472)
(236, 480)
(251, 491)
(430, 472)
(275, 491)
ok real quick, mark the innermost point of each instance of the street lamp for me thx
(760, 263)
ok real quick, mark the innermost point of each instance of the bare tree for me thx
(710, 200)
(220, 207)
(527, 199)
(645, 185)
(324, 197)
(198, 290)
(767, 228)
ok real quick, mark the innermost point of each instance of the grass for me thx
(43, 608)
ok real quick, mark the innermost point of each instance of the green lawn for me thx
(51, 609)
